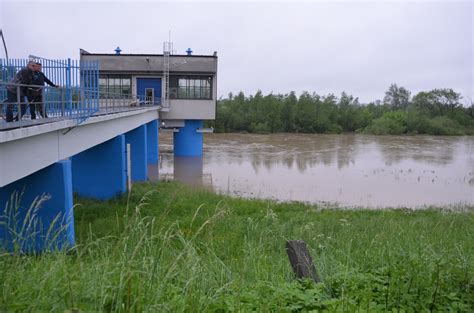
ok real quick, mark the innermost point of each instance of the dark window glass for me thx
(126, 82)
(182, 93)
(115, 85)
(102, 85)
(183, 82)
(191, 87)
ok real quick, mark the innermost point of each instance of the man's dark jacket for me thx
(24, 77)
(39, 79)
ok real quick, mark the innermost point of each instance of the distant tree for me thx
(470, 109)
(288, 112)
(397, 97)
(438, 111)
(347, 116)
(438, 101)
(448, 99)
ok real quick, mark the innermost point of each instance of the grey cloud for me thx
(325, 47)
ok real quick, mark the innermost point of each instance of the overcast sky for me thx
(322, 47)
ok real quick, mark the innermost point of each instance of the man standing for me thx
(35, 95)
(17, 93)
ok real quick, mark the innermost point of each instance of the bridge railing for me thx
(76, 103)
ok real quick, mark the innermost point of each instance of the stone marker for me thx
(301, 260)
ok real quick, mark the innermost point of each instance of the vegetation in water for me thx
(171, 248)
(436, 112)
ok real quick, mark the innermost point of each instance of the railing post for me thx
(97, 77)
(62, 103)
(18, 102)
(68, 85)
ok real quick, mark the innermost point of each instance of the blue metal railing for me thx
(71, 75)
(78, 96)
(55, 106)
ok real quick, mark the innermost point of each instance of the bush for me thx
(260, 128)
(334, 129)
(390, 123)
(418, 123)
(443, 125)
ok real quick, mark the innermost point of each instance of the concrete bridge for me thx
(81, 148)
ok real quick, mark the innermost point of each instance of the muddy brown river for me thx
(347, 170)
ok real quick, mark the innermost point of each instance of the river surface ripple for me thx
(348, 170)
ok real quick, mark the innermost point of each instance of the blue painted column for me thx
(188, 142)
(152, 142)
(100, 172)
(28, 224)
(138, 141)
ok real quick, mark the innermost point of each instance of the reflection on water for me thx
(188, 170)
(352, 170)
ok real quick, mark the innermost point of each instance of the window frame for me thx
(111, 86)
(191, 87)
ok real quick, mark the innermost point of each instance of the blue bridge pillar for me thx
(36, 212)
(188, 142)
(138, 140)
(152, 141)
(100, 172)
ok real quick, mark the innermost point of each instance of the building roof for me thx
(84, 52)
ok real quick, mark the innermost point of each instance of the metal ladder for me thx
(167, 48)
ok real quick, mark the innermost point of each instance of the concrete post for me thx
(188, 142)
(36, 212)
(100, 172)
(138, 141)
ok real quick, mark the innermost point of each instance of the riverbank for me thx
(173, 248)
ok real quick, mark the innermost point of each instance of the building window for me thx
(114, 85)
(191, 87)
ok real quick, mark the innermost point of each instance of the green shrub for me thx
(442, 125)
(260, 128)
(418, 123)
(334, 129)
(390, 123)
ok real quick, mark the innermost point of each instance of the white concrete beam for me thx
(27, 150)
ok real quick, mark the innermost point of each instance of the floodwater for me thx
(347, 170)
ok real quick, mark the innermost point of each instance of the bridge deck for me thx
(28, 148)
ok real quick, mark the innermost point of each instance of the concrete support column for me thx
(100, 172)
(36, 212)
(152, 142)
(138, 140)
(188, 142)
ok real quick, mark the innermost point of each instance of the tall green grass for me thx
(171, 248)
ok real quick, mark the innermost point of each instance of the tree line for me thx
(437, 112)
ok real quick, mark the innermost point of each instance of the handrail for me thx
(72, 103)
